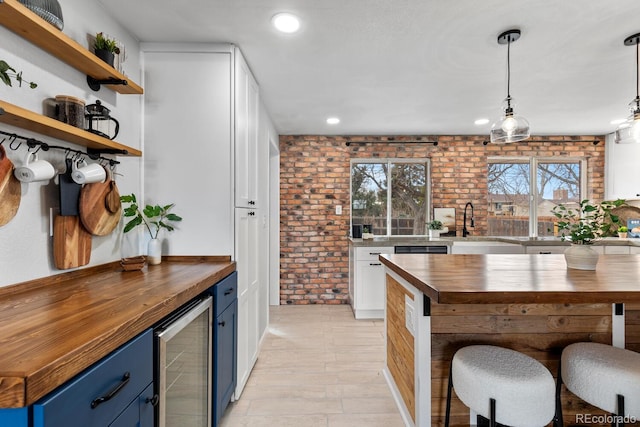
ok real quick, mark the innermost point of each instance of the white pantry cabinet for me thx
(201, 121)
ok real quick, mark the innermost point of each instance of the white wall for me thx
(25, 243)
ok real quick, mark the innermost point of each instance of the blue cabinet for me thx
(225, 332)
(116, 391)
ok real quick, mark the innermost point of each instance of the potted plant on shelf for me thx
(154, 218)
(622, 232)
(582, 225)
(105, 48)
(7, 73)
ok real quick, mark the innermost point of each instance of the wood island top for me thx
(53, 328)
(518, 279)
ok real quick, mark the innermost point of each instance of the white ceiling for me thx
(417, 66)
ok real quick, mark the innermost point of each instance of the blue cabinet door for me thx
(14, 417)
(225, 355)
(139, 413)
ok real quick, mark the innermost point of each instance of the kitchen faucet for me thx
(465, 232)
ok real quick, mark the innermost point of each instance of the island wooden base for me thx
(539, 330)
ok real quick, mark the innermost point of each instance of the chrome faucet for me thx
(465, 232)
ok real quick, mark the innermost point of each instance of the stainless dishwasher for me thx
(423, 249)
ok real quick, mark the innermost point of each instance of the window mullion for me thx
(533, 198)
(389, 201)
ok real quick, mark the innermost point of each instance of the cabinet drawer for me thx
(225, 292)
(71, 404)
(371, 253)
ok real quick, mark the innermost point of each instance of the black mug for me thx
(356, 231)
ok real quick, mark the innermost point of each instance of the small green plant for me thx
(153, 217)
(7, 73)
(104, 43)
(435, 225)
(622, 229)
(588, 221)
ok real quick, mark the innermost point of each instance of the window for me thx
(517, 208)
(391, 195)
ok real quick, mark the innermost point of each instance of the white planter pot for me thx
(581, 257)
(154, 252)
(434, 233)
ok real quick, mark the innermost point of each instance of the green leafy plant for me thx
(104, 43)
(435, 225)
(153, 217)
(622, 229)
(7, 73)
(588, 221)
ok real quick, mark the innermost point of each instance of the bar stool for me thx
(604, 376)
(502, 385)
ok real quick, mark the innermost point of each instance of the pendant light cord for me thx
(509, 68)
(637, 77)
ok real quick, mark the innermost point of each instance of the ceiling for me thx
(417, 66)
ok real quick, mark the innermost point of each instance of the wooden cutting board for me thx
(10, 189)
(71, 243)
(98, 213)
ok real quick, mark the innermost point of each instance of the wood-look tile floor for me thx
(318, 367)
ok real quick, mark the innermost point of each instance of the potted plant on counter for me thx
(583, 225)
(622, 232)
(154, 218)
(105, 48)
(435, 228)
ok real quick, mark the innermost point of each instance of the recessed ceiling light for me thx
(617, 121)
(481, 122)
(333, 120)
(286, 22)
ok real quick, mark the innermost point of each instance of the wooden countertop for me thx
(51, 329)
(518, 279)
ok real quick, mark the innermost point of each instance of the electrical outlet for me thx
(409, 315)
(338, 209)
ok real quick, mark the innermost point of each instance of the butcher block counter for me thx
(51, 329)
(436, 304)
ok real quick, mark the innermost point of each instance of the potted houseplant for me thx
(7, 73)
(582, 225)
(105, 48)
(154, 218)
(622, 232)
(435, 228)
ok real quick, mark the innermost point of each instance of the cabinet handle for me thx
(222, 323)
(545, 252)
(374, 263)
(110, 395)
(153, 400)
(228, 291)
(252, 202)
(375, 253)
(252, 213)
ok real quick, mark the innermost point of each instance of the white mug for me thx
(87, 174)
(36, 170)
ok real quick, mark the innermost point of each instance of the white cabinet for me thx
(202, 152)
(622, 175)
(634, 250)
(247, 108)
(367, 281)
(485, 247)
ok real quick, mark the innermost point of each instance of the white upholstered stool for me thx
(604, 376)
(503, 385)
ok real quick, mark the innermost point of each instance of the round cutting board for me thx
(96, 216)
(10, 189)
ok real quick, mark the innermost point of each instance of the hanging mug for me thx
(34, 170)
(87, 174)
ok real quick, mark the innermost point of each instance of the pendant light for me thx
(629, 130)
(510, 127)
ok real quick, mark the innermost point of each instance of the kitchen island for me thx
(436, 304)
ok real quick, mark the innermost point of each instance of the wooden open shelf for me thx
(20, 20)
(25, 119)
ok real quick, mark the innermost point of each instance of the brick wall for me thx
(314, 178)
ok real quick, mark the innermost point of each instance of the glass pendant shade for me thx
(629, 131)
(510, 127)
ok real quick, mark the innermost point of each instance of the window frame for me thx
(389, 161)
(533, 162)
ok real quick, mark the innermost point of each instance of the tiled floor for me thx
(318, 367)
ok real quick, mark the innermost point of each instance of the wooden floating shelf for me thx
(25, 119)
(28, 25)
